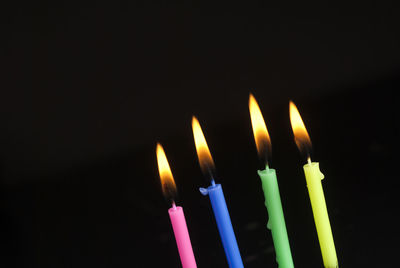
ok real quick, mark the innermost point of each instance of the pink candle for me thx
(182, 237)
(175, 212)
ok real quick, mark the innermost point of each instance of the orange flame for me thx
(203, 153)
(261, 135)
(167, 180)
(301, 136)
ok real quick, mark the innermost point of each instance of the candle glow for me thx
(203, 153)
(167, 180)
(301, 136)
(261, 135)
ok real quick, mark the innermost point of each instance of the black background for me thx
(88, 90)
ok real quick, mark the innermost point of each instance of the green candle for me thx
(270, 187)
(276, 222)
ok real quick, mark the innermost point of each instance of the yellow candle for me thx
(321, 218)
(315, 191)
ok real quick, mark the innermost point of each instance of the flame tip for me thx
(252, 99)
(195, 120)
(158, 147)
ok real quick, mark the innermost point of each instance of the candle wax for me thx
(224, 224)
(276, 222)
(182, 237)
(321, 218)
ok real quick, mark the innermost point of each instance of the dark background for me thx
(88, 90)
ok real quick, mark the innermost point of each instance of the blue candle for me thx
(221, 214)
(217, 198)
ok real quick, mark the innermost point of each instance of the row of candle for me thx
(270, 188)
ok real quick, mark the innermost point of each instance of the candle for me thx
(175, 212)
(313, 178)
(214, 191)
(276, 222)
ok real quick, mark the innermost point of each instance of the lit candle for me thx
(175, 212)
(276, 222)
(214, 191)
(315, 190)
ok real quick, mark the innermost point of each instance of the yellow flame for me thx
(167, 180)
(302, 138)
(261, 135)
(203, 153)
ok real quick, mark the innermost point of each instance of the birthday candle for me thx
(276, 222)
(176, 215)
(217, 198)
(313, 177)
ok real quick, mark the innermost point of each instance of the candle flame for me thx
(167, 180)
(203, 153)
(261, 135)
(301, 136)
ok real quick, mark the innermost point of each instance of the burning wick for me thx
(276, 222)
(315, 190)
(217, 198)
(176, 214)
